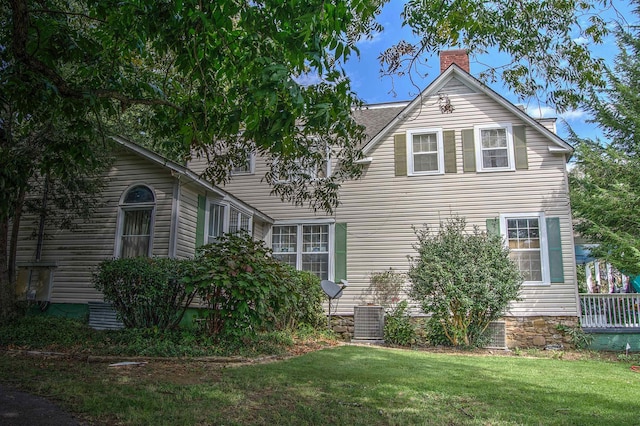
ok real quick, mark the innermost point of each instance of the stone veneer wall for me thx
(343, 326)
(538, 332)
(522, 332)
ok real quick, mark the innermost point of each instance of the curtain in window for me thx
(136, 233)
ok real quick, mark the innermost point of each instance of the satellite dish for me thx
(332, 290)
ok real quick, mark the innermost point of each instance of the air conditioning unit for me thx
(368, 322)
(34, 282)
(497, 334)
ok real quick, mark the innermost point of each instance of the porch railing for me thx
(610, 310)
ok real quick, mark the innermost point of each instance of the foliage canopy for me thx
(605, 182)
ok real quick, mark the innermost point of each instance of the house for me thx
(151, 206)
(459, 148)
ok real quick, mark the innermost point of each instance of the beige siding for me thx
(187, 217)
(381, 209)
(78, 252)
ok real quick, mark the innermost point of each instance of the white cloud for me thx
(548, 112)
(307, 79)
(374, 38)
(581, 40)
(576, 114)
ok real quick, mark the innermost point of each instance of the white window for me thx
(135, 222)
(246, 167)
(526, 236)
(216, 221)
(426, 152)
(307, 247)
(494, 147)
(222, 218)
(287, 172)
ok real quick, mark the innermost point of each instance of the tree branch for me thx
(19, 48)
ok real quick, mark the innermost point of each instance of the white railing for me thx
(610, 310)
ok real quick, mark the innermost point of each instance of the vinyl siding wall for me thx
(78, 252)
(186, 238)
(381, 208)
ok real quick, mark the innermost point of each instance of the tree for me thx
(463, 279)
(605, 183)
(216, 78)
(545, 43)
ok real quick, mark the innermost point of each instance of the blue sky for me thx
(372, 88)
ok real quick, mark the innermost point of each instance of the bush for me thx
(145, 292)
(242, 287)
(385, 288)
(308, 311)
(464, 279)
(398, 328)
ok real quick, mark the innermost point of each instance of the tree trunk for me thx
(7, 283)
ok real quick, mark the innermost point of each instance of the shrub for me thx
(398, 328)
(242, 287)
(308, 311)
(145, 292)
(464, 279)
(385, 288)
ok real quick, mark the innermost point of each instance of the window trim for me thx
(477, 130)
(226, 216)
(122, 207)
(251, 158)
(328, 169)
(299, 243)
(544, 243)
(410, 154)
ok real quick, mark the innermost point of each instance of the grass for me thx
(56, 334)
(343, 385)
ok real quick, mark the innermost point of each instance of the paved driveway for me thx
(22, 409)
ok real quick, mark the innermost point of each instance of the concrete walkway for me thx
(22, 409)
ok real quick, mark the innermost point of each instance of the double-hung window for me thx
(223, 218)
(426, 153)
(526, 237)
(287, 171)
(246, 167)
(306, 247)
(494, 147)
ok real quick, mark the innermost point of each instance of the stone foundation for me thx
(522, 332)
(538, 332)
(343, 326)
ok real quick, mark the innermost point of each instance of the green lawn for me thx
(345, 385)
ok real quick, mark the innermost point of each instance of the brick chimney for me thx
(458, 57)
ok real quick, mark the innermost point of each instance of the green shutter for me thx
(493, 226)
(340, 252)
(520, 144)
(202, 205)
(449, 142)
(400, 153)
(468, 151)
(556, 266)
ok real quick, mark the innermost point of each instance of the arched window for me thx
(136, 222)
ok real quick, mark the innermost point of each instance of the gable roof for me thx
(454, 71)
(177, 169)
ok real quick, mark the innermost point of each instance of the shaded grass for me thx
(345, 385)
(54, 334)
